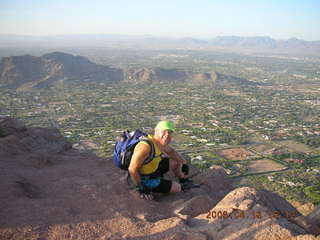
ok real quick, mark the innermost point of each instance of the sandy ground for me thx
(294, 146)
(235, 153)
(262, 147)
(264, 165)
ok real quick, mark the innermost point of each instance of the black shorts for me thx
(155, 181)
(164, 186)
(164, 166)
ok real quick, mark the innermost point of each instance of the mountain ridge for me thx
(16, 71)
(263, 42)
(28, 71)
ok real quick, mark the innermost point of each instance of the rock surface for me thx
(159, 74)
(50, 191)
(195, 206)
(245, 214)
(315, 216)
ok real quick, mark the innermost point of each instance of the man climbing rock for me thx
(148, 178)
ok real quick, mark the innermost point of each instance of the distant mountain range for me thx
(262, 42)
(108, 40)
(28, 71)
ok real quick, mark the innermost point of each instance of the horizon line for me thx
(149, 35)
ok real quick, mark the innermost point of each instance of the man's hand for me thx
(185, 169)
(144, 192)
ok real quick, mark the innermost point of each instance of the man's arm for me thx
(141, 152)
(178, 163)
(173, 154)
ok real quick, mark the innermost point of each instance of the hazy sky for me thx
(280, 19)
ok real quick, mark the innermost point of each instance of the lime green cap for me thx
(165, 125)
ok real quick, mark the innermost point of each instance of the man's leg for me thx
(166, 186)
(185, 182)
(176, 187)
(176, 166)
(165, 165)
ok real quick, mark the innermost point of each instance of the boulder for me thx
(10, 125)
(314, 216)
(307, 224)
(305, 237)
(215, 181)
(244, 214)
(187, 235)
(20, 138)
(277, 203)
(195, 206)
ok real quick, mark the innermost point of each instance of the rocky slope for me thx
(28, 71)
(42, 71)
(50, 191)
(170, 75)
(159, 74)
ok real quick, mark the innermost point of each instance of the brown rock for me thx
(304, 209)
(166, 224)
(277, 203)
(27, 189)
(216, 182)
(240, 199)
(31, 140)
(247, 227)
(11, 125)
(197, 192)
(307, 224)
(11, 145)
(187, 235)
(245, 214)
(315, 216)
(11, 139)
(195, 206)
(244, 198)
(304, 237)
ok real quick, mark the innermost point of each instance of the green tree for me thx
(313, 192)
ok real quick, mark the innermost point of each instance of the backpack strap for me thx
(152, 154)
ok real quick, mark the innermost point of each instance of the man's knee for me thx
(175, 187)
